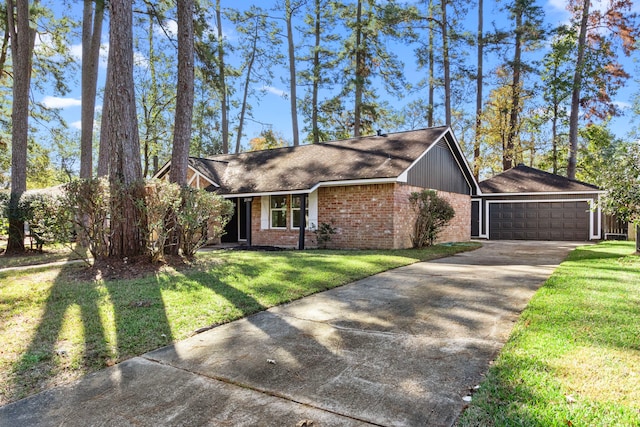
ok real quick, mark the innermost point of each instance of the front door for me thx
(236, 228)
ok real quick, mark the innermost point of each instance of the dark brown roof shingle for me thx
(304, 166)
(523, 179)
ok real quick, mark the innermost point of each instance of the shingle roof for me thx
(523, 179)
(304, 166)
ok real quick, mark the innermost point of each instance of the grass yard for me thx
(56, 326)
(52, 253)
(573, 358)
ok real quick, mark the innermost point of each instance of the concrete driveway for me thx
(402, 348)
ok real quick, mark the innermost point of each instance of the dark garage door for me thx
(539, 221)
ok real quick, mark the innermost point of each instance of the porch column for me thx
(247, 217)
(303, 218)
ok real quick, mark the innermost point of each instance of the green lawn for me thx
(573, 358)
(55, 327)
(51, 253)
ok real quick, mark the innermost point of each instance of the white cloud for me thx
(77, 125)
(76, 51)
(169, 27)
(57, 102)
(139, 60)
(622, 105)
(275, 91)
(558, 4)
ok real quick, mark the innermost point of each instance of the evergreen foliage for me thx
(432, 214)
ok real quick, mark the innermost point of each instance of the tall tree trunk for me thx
(223, 83)
(446, 64)
(184, 95)
(247, 83)
(22, 41)
(91, 39)
(292, 74)
(128, 222)
(315, 131)
(184, 109)
(4, 48)
(360, 70)
(149, 105)
(575, 93)
(508, 155)
(431, 65)
(104, 146)
(554, 138)
(479, 82)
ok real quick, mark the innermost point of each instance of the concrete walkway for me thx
(402, 348)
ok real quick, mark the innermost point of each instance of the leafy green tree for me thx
(155, 87)
(258, 43)
(365, 54)
(65, 152)
(321, 62)
(556, 89)
(597, 153)
(621, 180)
(289, 10)
(596, 33)
(529, 32)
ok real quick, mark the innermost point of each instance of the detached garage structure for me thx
(524, 203)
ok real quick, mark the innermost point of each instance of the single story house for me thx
(359, 186)
(524, 203)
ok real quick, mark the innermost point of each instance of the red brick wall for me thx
(405, 216)
(376, 216)
(459, 229)
(361, 214)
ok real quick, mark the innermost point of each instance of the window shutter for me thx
(264, 212)
(313, 210)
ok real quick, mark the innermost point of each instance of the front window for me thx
(278, 211)
(295, 211)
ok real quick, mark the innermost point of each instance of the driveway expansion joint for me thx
(258, 390)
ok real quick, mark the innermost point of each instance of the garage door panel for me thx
(539, 221)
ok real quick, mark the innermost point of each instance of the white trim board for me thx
(543, 193)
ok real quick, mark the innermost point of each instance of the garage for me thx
(539, 221)
(525, 203)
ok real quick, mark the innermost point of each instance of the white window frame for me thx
(295, 212)
(281, 209)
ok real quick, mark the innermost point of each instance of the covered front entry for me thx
(558, 220)
(236, 228)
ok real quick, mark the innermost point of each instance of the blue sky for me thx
(273, 107)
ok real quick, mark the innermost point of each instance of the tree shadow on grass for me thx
(86, 326)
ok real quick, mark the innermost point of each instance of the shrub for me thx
(161, 199)
(4, 220)
(85, 211)
(323, 233)
(40, 211)
(432, 214)
(201, 217)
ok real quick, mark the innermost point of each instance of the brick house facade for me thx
(360, 187)
(377, 216)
